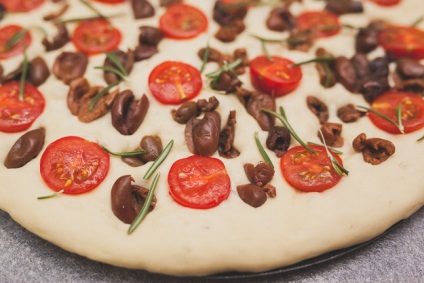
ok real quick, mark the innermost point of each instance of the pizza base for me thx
(233, 236)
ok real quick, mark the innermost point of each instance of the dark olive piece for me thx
(59, 40)
(227, 82)
(318, 107)
(143, 52)
(128, 113)
(128, 199)
(251, 194)
(366, 40)
(261, 174)
(348, 113)
(374, 150)
(346, 74)
(278, 140)
(185, 112)
(142, 9)
(164, 3)
(226, 148)
(208, 105)
(69, 66)
(3, 11)
(150, 35)
(344, 7)
(409, 69)
(332, 134)
(280, 19)
(254, 107)
(26, 148)
(214, 55)
(206, 134)
(153, 147)
(38, 71)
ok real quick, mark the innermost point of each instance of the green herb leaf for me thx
(159, 160)
(112, 70)
(417, 21)
(282, 117)
(146, 205)
(92, 8)
(315, 60)
(76, 20)
(23, 77)
(15, 39)
(128, 153)
(205, 57)
(330, 148)
(398, 111)
(262, 150)
(214, 76)
(52, 195)
(420, 139)
(340, 170)
(102, 93)
(398, 115)
(269, 40)
(114, 58)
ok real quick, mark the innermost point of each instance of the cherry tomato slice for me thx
(111, 1)
(309, 172)
(386, 2)
(175, 82)
(21, 5)
(6, 33)
(17, 115)
(402, 41)
(96, 36)
(276, 77)
(323, 23)
(74, 165)
(412, 111)
(181, 21)
(199, 182)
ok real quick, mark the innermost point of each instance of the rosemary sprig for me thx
(262, 150)
(52, 195)
(264, 49)
(76, 20)
(146, 205)
(330, 148)
(214, 76)
(23, 77)
(315, 60)
(205, 56)
(92, 8)
(398, 115)
(127, 153)
(102, 93)
(417, 21)
(283, 118)
(158, 160)
(269, 40)
(398, 111)
(420, 139)
(15, 39)
(119, 70)
(340, 170)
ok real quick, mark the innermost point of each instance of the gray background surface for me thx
(397, 256)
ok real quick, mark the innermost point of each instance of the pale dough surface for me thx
(233, 236)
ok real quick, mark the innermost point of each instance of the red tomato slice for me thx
(309, 172)
(74, 165)
(17, 115)
(6, 33)
(323, 23)
(412, 111)
(402, 41)
(175, 82)
(21, 5)
(181, 21)
(96, 36)
(199, 182)
(111, 1)
(277, 77)
(386, 2)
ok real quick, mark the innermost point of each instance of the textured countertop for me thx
(397, 256)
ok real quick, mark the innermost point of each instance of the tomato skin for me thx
(16, 115)
(21, 5)
(412, 111)
(309, 172)
(403, 42)
(264, 75)
(199, 182)
(175, 82)
(71, 157)
(96, 36)
(386, 2)
(324, 23)
(6, 33)
(182, 21)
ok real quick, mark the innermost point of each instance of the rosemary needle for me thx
(262, 150)
(159, 160)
